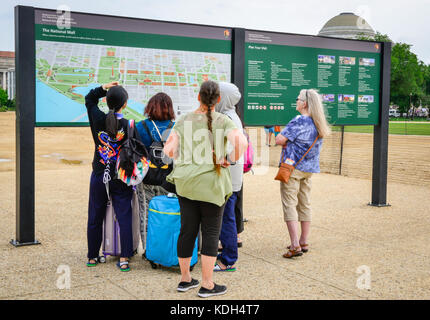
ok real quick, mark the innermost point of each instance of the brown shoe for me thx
(305, 247)
(296, 252)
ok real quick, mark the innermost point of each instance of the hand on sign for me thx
(110, 85)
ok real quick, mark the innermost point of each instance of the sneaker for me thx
(216, 291)
(185, 286)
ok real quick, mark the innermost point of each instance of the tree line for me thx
(410, 77)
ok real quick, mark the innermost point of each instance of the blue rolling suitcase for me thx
(164, 225)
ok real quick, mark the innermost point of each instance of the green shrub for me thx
(3, 98)
(11, 105)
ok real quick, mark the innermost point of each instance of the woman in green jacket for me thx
(203, 183)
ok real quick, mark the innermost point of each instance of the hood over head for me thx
(230, 96)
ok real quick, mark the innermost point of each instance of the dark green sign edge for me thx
(132, 39)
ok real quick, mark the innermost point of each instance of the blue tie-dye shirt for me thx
(301, 133)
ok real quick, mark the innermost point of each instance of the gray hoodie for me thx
(230, 96)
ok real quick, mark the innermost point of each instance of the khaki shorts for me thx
(295, 196)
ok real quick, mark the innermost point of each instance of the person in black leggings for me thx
(202, 182)
(192, 214)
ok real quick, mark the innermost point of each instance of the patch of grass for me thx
(358, 129)
(417, 119)
(408, 128)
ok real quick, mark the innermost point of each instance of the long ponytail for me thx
(209, 93)
(111, 124)
(217, 165)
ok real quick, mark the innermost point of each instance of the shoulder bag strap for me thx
(170, 126)
(147, 130)
(158, 131)
(159, 134)
(106, 175)
(307, 151)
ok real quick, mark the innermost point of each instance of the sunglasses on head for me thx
(297, 99)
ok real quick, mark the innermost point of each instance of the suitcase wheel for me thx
(102, 259)
(153, 265)
(191, 268)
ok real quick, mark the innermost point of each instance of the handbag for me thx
(285, 169)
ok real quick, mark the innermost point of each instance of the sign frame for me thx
(380, 131)
(26, 115)
(353, 45)
(25, 62)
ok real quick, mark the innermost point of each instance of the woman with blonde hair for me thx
(297, 138)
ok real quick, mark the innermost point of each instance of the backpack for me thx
(248, 157)
(132, 165)
(159, 164)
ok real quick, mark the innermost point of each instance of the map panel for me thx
(66, 71)
(76, 52)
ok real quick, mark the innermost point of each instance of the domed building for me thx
(347, 25)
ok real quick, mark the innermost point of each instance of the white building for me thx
(7, 72)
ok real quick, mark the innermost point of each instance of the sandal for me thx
(304, 250)
(123, 263)
(93, 264)
(228, 268)
(296, 252)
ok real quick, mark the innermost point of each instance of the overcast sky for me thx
(403, 21)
